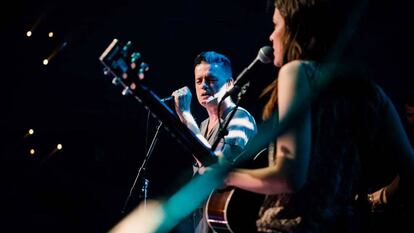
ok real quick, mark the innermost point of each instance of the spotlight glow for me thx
(29, 33)
(31, 131)
(59, 146)
(32, 151)
(50, 34)
(45, 62)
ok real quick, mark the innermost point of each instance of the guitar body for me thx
(233, 210)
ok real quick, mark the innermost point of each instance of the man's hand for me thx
(182, 99)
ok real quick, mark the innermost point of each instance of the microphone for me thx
(168, 99)
(264, 56)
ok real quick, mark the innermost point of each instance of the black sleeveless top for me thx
(345, 119)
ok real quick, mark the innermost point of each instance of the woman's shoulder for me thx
(299, 64)
(297, 71)
(298, 67)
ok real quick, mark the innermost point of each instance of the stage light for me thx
(50, 34)
(53, 152)
(32, 151)
(55, 52)
(32, 28)
(30, 132)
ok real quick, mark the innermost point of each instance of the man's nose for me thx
(204, 85)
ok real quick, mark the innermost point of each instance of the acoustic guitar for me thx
(232, 209)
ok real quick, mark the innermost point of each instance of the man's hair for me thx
(214, 58)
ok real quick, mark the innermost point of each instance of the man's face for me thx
(409, 114)
(210, 82)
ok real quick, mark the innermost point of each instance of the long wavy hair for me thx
(306, 37)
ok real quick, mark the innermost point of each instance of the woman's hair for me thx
(306, 36)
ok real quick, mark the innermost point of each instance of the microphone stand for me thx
(223, 128)
(142, 168)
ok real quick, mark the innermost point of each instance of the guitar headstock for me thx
(125, 65)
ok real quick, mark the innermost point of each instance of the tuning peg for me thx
(142, 69)
(135, 56)
(126, 91)
(106, 71)
(126, 48)
(116, 81)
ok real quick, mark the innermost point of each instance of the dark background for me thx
(104, 134)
